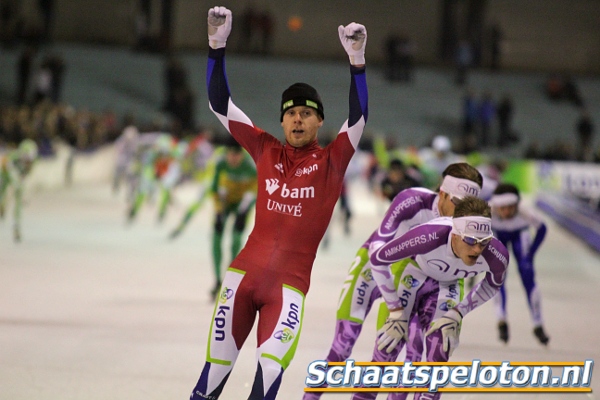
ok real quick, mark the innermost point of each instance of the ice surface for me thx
(94, 309)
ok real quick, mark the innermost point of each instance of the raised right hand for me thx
(354, 39)
(219, 26)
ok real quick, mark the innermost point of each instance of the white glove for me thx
(219, 26)
(354, 39)
(394, 330)
(449, 324)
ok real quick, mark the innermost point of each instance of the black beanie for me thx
(301, 94)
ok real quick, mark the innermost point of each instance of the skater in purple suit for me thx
(438, 256)
(515, 225)
(409, 208)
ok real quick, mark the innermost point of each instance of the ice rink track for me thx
(93, 309)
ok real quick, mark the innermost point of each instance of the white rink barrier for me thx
(50, 172)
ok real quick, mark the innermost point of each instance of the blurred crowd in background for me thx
(486, 121)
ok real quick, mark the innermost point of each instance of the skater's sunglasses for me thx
(472, 240)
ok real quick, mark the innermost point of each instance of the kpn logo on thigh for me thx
(288, 324)
(222, 319)
(410, 281)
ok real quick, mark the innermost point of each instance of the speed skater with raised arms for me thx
(299, 184)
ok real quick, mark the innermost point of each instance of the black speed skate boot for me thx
(539, 333)
(503, 331)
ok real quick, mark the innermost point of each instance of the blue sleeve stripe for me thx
(216, 81)
(359, 98)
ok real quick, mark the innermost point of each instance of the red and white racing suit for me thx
(297, 191)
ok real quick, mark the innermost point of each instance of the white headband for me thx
(475, 226)
(458, 187)
(504, 199)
